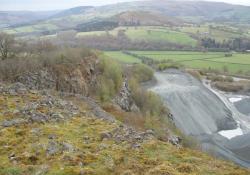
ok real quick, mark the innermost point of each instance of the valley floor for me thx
(237, 64)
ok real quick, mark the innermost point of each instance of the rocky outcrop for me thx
(46, 108)
(71, 78)
(124, 98)
(42, 79)
(124, 133)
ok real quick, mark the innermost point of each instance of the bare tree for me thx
(7, 43)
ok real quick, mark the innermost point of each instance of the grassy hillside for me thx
(149, 34)
(217, 31)
(146, 18)
(81, 144)
(147, 13)
(15, 18)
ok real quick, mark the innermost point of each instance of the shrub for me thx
(228, 86)
(153, 110)
(195, 74)
(110, 79)
(164, 66)
(11, 68)
(106, 88)
(218, 78)
(190, 142)
(142, 72)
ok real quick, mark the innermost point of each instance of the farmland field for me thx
(149, 33)
(209, 60)
(122, 57)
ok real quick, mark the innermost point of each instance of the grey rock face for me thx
(42, 79)
(124, 99)
(62, 78)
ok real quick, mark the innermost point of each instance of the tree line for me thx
(237, 44)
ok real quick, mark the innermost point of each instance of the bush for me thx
(190, 142)
(11, 68)
(229, 86)
(195, 74)
(218, 78)
(164, 66)
(142, 73)
(110, 79)
(153, 110)
(106, 89)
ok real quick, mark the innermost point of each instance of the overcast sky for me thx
(64, 4)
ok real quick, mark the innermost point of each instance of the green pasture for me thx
(209, 60)
(122, 57)
(179, 56)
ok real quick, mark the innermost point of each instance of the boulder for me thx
(53, 148)
(38, 118)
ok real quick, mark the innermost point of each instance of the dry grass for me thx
(94, 156)
(237, 86)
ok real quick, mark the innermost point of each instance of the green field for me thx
(150, 34)
(122, 57)
(31, 28)
(213, 60)
(218, 32)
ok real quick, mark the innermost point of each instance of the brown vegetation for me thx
(236, 86)
(195, 74)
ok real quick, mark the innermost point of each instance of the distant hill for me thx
(72, 11)
(145, 18)
(14, 18)
(153, 12)
(202, 10)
